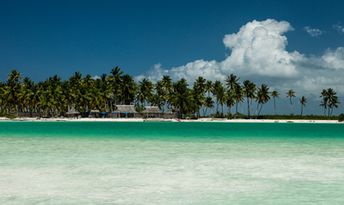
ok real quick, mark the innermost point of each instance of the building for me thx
(125, 111)
(155, 112)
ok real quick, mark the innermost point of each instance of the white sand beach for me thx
(165, 120)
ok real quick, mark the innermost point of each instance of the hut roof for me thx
(125, 108)
(72, 113)
(152, 109)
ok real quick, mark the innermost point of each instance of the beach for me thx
(165, 120)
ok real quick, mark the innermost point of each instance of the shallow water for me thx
(171, 163)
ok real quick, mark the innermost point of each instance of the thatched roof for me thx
(151, 109)
(125, 109)
(72, 111)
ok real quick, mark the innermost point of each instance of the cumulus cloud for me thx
(259, 48)
(314, 32)
(258, 52)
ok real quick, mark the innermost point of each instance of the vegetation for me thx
(274, 95)
(303, 101)
(55, 97)
(291, 95)
(341, 117)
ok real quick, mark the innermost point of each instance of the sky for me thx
(287, 44)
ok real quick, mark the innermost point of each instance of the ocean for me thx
(171, 163)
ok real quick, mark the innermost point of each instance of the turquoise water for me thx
(171, 163)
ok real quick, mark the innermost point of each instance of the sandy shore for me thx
(164, 120)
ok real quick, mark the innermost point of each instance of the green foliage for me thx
(341, 117)
(53, 97)
(10, 116)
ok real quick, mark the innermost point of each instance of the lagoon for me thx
(171, 163)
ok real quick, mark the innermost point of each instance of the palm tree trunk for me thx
(217, 106)
(257, 110)
(248, 107)
(236, 108)
(291, 106)
(274, 106)
(301, 110)
(260, 109)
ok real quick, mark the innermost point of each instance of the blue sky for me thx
(286, 44)
(41, 38)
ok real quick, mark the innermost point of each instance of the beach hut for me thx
(126, 111)
(94, 113)
(73, 114)
(104, 114)
(152, 112)
(169, 115)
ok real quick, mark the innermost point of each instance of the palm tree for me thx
(116, 83)
(128, 89)
(73, 94)
(232, 82)
(219, 93)
(209, 103)
(13, 87)
(274, 95)
(230, 101)
(303, 101)
(145, 92)
(238, 97)
(95, 101)
(333, 101)
(290, 95)
(181, 99)
(26, 95)
(159, 95)
(234, 91)
(198, 92)
(324, 101)
(262, 96)
(51, 97)
(249, 89)
(106, 89)
(208, 87)
(168, 87)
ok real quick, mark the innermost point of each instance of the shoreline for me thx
(27, 119)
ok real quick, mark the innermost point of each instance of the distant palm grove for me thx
(20, 96)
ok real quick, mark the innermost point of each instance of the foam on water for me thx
(52, 169)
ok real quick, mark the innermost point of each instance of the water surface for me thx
(171, 163)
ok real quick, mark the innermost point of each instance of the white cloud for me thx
(338, 27)
(258, 52)
(334, 59)
(96, 77)
(259, 48)
(155, 74)
(314, 32)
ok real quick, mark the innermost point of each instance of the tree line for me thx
(54, 96)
